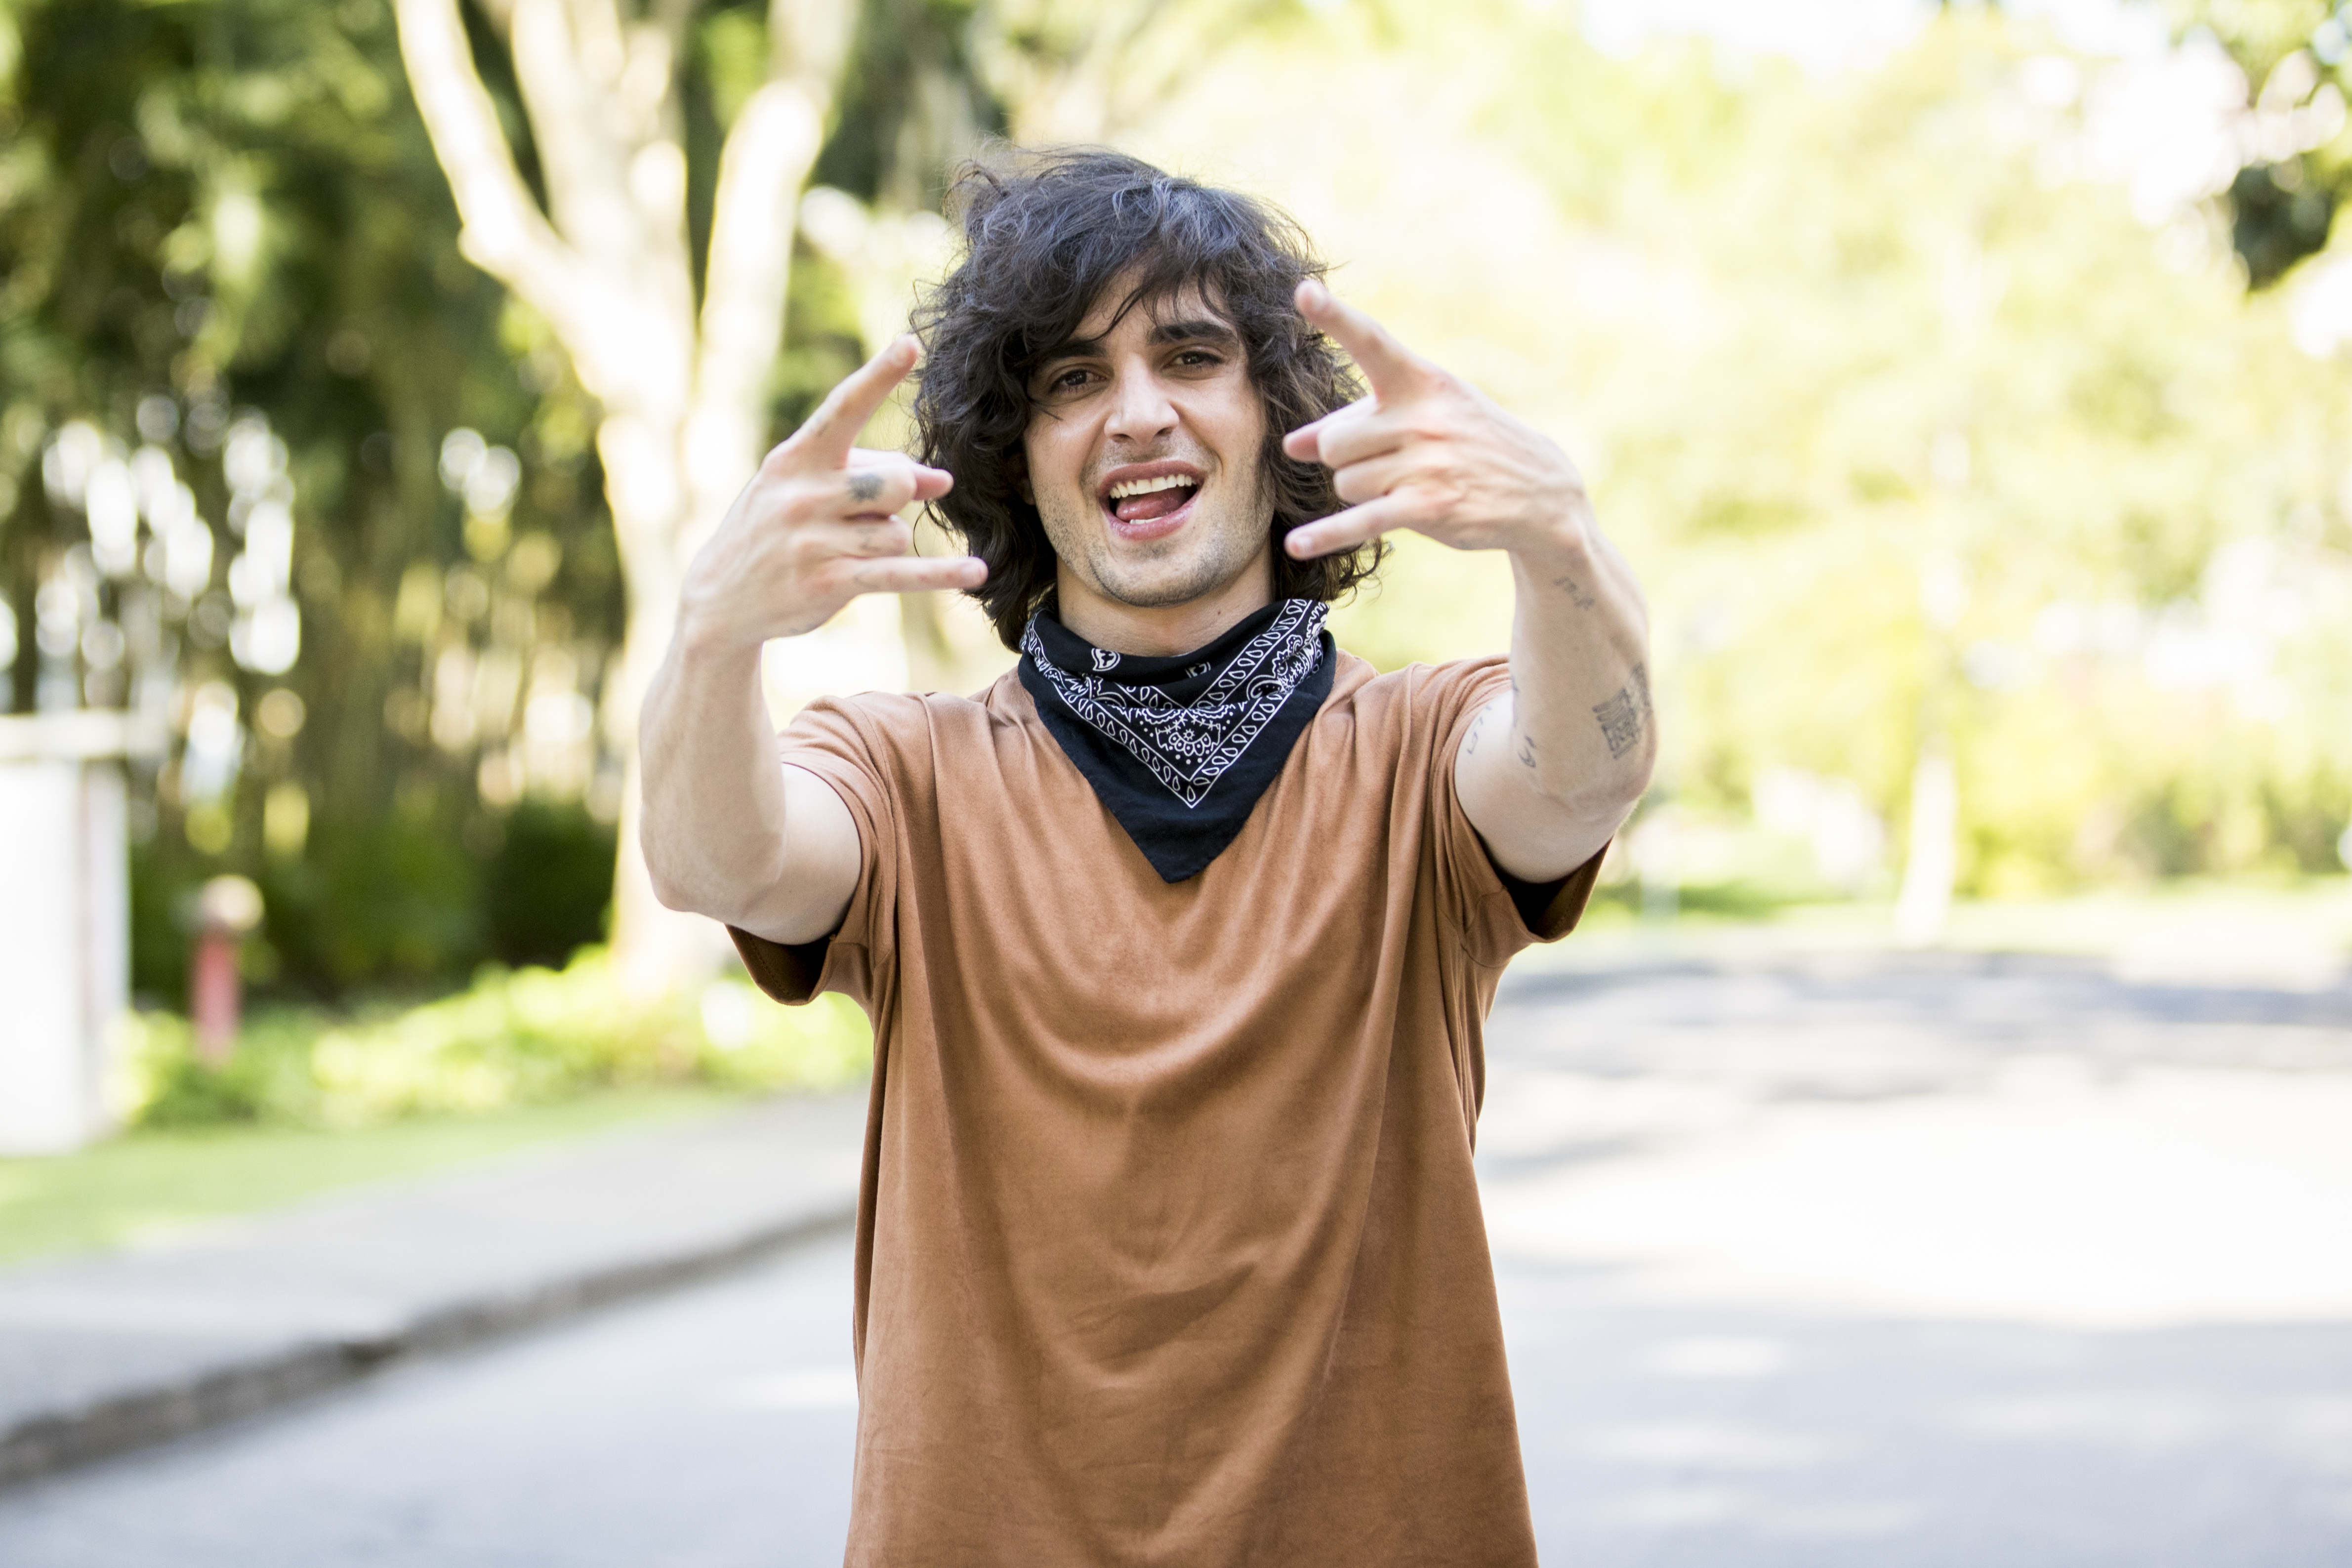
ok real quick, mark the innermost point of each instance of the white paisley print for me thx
(1189, 746)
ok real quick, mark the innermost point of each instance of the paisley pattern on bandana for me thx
(1189, 746)
(1179, 749)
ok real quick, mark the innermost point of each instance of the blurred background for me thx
(1967, 382)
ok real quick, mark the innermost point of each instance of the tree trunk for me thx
(607, 264)
(1932, 859)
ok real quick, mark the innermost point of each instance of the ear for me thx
(1019, 464)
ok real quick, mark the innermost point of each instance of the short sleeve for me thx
(1493, 927)
(829, 739)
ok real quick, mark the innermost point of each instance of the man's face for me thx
(1143, 454)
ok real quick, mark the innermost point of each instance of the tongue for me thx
(1159, 503)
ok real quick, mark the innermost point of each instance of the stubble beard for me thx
(1218, 555)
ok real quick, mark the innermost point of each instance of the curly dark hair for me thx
(1045, 233)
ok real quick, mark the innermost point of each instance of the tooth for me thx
(1127, 488)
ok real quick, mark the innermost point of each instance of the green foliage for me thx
(227, 209)
(216, 209)
(2278, 216)
(402, 899)
(1916, 433)
(2290, 51)
(515, 1038)
(547, 887)
(911, 104)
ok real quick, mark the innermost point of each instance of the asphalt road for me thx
(1905, 1263)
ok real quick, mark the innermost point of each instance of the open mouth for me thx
(1151, 499)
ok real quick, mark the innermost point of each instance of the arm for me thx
(1549, 773)
(727, 832)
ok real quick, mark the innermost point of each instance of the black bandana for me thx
(1179, 749)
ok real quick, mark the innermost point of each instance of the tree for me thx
(603, 252)
(2297, 56)
(220, 217)
(1915, 430)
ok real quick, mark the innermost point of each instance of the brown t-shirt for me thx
(1169, 1248)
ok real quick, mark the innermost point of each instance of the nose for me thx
(1140, 411)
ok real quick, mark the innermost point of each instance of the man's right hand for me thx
(727, 832)
(818, 525)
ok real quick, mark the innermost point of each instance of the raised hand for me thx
(818, 525)
(1429, 452)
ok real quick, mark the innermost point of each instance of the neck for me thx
(1160, 630)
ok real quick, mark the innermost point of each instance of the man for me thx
(1178, 941)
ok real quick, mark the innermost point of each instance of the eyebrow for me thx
(1193, 330)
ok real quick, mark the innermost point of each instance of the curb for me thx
(47, 1443)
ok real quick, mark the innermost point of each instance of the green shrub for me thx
(514, 1038)
(546, 891)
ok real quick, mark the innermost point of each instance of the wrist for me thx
(1559, 541)
(703, 639)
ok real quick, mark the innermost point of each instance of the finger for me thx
(823, 541)
(874, 457)
(931, 483)
(1358, 482)
(1345, 530)
(831, 433)
(1362, 437)
(917, 573)
(1387, 364)
(876, 492)
(1305, 442)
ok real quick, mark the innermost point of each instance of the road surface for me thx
(1909, 1263)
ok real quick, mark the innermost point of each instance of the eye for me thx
(1070, 380)
(1198, 359)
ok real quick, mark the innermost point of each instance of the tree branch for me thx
(568, 67)
(766, 158)
(504, 232)
(761, 168)
(809, 39)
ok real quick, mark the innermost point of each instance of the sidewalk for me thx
(101, 1354)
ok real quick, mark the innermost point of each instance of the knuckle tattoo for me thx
(865, 484)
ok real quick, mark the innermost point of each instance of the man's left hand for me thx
(1430, 452)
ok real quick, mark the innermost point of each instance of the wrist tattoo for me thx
(1577, 595)
(1625, 717)
(1526, 749)
(865, 484)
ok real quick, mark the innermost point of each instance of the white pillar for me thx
(65, 921)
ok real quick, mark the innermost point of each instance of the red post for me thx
(226, 908)
(214, 993)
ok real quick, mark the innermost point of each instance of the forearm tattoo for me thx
(865, 484)
(1577, 595)
(1625, 717)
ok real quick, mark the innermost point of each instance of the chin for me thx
(1177, 577)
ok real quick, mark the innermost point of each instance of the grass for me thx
(151, 1180)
